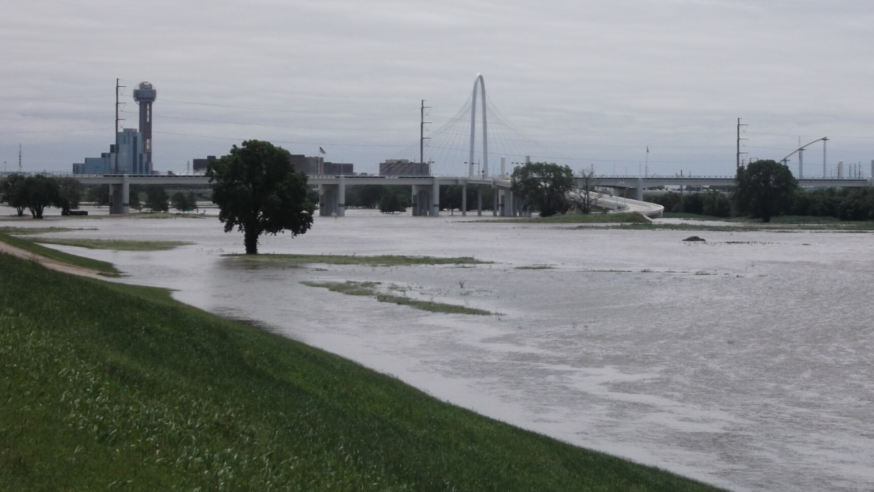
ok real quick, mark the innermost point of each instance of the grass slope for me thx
(108, 386)
(29, 245)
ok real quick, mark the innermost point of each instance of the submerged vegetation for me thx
(383, 260)
(624, 217)
(36, 230)
(113, 386)
(776, 225)
(370, 289)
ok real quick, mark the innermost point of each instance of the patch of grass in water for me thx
(37, 230)
(431, 306)
(384, 260)
(624, 217)
(369, 289)
(106, 269)
(115, 244)
(535, 267)
(848, 227)
(349, 288)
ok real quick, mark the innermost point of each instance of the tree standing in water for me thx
(257, 191)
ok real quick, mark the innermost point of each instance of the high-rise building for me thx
(403, 167)
(145, 94)
(128, 157)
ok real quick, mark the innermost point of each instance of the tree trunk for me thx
(251, 234)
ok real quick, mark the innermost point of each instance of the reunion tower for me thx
(145, 95)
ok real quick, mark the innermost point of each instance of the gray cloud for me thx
(587, 83)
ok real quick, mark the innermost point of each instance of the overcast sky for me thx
(583, 83)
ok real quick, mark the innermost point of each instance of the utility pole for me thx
(117, 119)
(19, 158)
(422, 133)
(738, 143)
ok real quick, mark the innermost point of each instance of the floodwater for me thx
(745, 361)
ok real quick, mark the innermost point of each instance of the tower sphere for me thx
(145, 92)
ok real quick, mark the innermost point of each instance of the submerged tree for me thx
(70, 192)
(544, 185)
(257, 191)
(157, 199)
(40, 192)
(583, 193)
(12, 188)
(764, 189)
(179, 201)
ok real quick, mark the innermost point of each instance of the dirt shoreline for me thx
(49, 263)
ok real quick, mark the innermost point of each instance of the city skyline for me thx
(588, 84)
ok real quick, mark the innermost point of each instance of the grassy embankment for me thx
(369, 289)
(110, 386)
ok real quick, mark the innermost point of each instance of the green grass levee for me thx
(106, 386)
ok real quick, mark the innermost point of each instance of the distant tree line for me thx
(765, 189)
(36, 193)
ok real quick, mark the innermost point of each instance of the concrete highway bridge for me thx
(426, 189)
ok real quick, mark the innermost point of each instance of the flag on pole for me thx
(323, 150)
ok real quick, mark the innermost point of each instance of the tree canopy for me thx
(70, 192)
(544, 185)
(14, 193)
(764, 189)
(40, 192)
(257, 191)
(157, 199)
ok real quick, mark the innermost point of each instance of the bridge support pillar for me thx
(329, 200)
(464, 199)
(495, 201)
(435, 198)
(506, 204)
(125, 195)
(115, 199)
(479, 201)
(421, 200)
(639, 192)
(341, 197)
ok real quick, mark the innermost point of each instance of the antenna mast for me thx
(19, 158)
(117, 120)
(738, 143)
